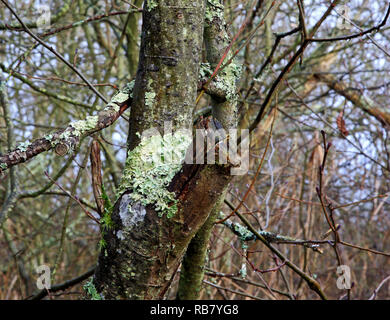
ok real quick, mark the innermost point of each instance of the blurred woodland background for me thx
(321, 155)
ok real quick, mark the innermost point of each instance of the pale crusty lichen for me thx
(151, 4)
(226, 78)
(149, 98)
(91, 291)
(149, 95)
(130, 212)
(78, 128)
(121, 96)
(243, 271)
(23, 146)
(243, 232)
(214, 9)
(82, 126)
(48, 137)
(204, 71)
(151, 166)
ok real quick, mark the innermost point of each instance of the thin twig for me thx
(58, 55)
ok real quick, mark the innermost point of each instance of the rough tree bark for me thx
(160, 208)
(224, 108)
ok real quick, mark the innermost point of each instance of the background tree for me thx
(307, 78)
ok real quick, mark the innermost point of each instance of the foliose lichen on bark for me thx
(151, 166)
(151, 4)
(120, 97)
(23, 146)
(82, 126)
(225, 80)
(91, 291)
(214, 9)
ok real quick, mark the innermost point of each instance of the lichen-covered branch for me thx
(66, 139)
(311, 282)
(246, 235)
(223, 87)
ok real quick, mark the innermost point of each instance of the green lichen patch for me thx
(214, 9)
(3, 166)
(243, 232)
(121, 96)
(77, 128)
(149, 98)
(82, 126)
(23, 146)
(129, 88)
(149, 94)
(225, 80)
(151, 166)
(151, 4)
(48, 137)
(91, 291)
(204, 71)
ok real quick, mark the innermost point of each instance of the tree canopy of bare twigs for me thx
(310, 219)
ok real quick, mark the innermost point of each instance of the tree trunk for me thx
(160, 208)
(193, 266)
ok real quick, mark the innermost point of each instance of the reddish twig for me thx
(90, 215)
